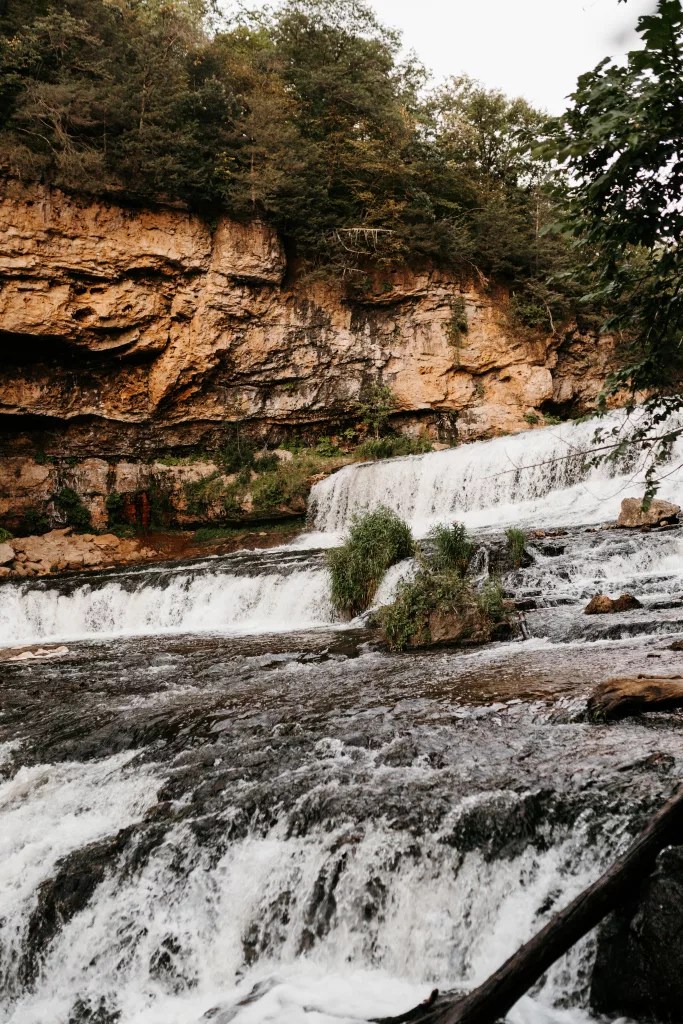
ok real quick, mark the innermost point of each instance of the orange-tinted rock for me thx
(657, 513)
(601, 604)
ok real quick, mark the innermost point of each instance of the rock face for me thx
(637, 970)
(146, 328)
(658, 513)
(601, 604)
(127, 334)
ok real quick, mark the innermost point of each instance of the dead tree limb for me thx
(491, 1001)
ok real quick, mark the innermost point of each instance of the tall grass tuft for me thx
(451, 548)
(377, 540)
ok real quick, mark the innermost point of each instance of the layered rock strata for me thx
(125, 333)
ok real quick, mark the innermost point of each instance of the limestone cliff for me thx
(125, 333)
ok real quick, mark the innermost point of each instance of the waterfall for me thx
(537, 478)
(217, 600)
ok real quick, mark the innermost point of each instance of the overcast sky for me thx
(531, 48)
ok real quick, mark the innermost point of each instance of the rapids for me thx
(219, 804)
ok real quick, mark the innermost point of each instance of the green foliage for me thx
(327, 448)
(72, 509)
(458, 323)
(491, 601)
(5, 535)
(304, 115)
(451, 548)
(377, 403)
(205, 533)
(516, 545)
(620, 145)
(528, 312)
(376, 540)
(208, 492)
(443, 584)
(34, 522)
(115, 504)
(392, 445)
(532, 418)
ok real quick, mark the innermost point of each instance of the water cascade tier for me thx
(221, 805)
(543, 477)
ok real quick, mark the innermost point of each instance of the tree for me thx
(621, 145)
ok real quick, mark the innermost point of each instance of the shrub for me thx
(392, 445)
(376, 540)
(4, 535)
(376, 405)
(115, 505)
(269, 491)
(516, 545)
(327, 448)
(532, 418)
(75, 514)
(452, 548)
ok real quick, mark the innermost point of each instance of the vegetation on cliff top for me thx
(305, 116)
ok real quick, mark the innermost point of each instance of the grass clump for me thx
(452, 548)
(516, 545)
(444, 593)
(376, 541)
(5, 535)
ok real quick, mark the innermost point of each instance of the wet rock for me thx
(658, 513)
(64, 895)
(637, 970)
(677, 645)
(617, 698)
(601, 604)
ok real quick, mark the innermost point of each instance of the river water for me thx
(218, 804)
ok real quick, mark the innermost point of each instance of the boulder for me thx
(637, 972)
(6, 554)
(659, 513)
(617, 698)
(601, 604)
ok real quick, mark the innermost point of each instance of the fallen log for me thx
(492, 1000)
(617, 698)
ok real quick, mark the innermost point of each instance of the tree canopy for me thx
(305, 116)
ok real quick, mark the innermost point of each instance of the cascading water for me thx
(538, 477)
(237, 810)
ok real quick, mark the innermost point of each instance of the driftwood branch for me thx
(491, 1001)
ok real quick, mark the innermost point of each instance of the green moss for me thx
(376, 540)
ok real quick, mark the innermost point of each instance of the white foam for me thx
(538, 478)
(188, 603)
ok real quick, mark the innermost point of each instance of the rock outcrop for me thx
(130, 333)
(602, 604)
(147, 328)
(63, 550)
(657, 513)
(637, 970)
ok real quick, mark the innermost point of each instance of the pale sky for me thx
(531, 48)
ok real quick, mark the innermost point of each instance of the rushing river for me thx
(218, 804)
